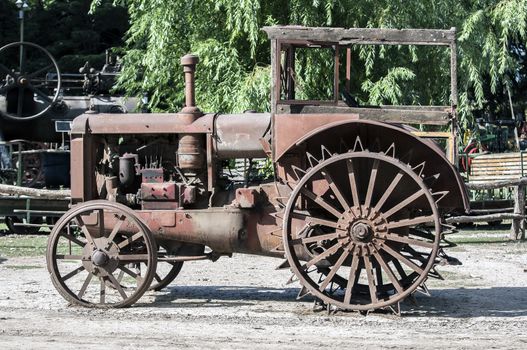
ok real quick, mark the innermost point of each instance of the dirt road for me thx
(242, 302)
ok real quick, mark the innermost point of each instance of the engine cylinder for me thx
(127, 170)
(190, 154)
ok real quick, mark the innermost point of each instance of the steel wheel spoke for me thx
(85, 230)
(102, 292)
(388, 191)
(351, 278)
(73, 239)
(100, 215)
(388, 271)
(353, 183)
(373, 177)
(316, 221)
(20, 102)
(322, 256)
(335, 189)
(85, 285)
(320, 201)
(137, 277)
(400, 269)
(38, 72)
(404, 203)
(371, 281)
(120, 276)
(116, 228)
(407, 240)
(118, 286)
(157, 278)
(318, 238)
(73, 273)
(410, 222)
(131, 239)
(334, 270)
(22, 58)
(401, 258)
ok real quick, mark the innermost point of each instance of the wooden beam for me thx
(34, 192)
(497, 184)
(483, 218)
(373, 36)
(518, 223)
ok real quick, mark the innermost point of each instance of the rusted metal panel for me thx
(238, 135)
(288, 128)
(164, 191)
(135, 123)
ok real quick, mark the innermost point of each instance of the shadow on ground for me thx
(473, 302)
(222, 296)
(457, 303)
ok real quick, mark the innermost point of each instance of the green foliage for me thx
(387, 90)
(234, 53)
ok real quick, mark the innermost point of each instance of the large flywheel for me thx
(361, 230)
(25, 91)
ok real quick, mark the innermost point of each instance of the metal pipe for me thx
(189, 68)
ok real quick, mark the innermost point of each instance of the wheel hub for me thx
(100, 258)
(22, 81)
(361, 231)
(362, 226)
(100, 261)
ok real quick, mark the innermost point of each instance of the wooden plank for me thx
(483, 218)
(493, 178)
(497, 165)
(499, 155)
(518, 224)
(496, 171)
(380, 36)
(497, 161)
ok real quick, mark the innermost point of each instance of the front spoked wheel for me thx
(100, 254)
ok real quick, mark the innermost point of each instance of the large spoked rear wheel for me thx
(361, 231)
(100, 254)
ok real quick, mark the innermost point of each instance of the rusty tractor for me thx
(355, 207)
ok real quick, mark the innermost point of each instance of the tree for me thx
(234, 71)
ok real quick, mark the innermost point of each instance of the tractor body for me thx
(355, 204)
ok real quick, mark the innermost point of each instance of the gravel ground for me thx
(243, 302)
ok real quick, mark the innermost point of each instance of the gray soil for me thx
(243, 302)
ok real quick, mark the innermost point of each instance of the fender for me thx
(340, 136)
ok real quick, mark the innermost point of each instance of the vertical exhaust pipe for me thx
(190, 150)
(189, 63)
